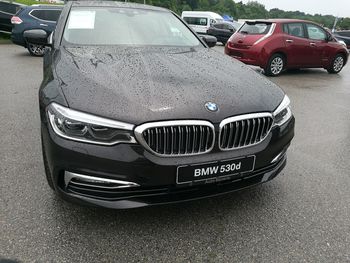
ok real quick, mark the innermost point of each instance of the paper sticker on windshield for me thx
(82, 20)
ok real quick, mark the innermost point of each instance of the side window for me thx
(226, 27)
(38, 14)
(316, 32)
(296, 30)
(199, 21)
(285, 28)
(47, 15)
(8, 8)
(218, 26)
(53, 15)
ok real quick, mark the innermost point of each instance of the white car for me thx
(201, 21)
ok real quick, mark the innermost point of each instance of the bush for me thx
(30, 2)
(5, 38)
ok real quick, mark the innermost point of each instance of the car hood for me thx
(138, 85)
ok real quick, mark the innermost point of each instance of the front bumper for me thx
(154, 177)
(18, 39)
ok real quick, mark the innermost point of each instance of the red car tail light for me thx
(230, 44)
(15, 20)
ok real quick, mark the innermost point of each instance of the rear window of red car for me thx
(255, 28)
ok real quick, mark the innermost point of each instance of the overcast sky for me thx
(325, 7)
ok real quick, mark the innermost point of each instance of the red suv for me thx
(278, 44)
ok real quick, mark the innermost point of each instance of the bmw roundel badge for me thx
(211, 106)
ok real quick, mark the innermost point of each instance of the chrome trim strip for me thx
(68, 176)
(87, 119)
(244, 117)
(91, 119)
(278, 157)
(284, 103)
(6, 13)
(241, 118)
(140, 129)
(272, 29)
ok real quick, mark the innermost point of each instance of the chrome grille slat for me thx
(242, 133)
(236, 135)
(172, 140)
(224, 134)
(245, 130)
(263, 128)
(257, 132)
(201, 138)
(253, 132)
(187, 138)
(177, 138)
(157, 143)
(180, 139)
(207, 139)
(194, 140)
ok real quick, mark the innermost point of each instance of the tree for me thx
(239, 10)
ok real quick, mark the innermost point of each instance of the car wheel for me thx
(46, 166)
(36, 50)
(275, 66)
(337, 65)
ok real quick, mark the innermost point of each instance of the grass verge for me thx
(31, 2)
(5, 38)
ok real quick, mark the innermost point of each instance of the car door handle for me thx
(313, 44)
(289, 41)
(43, 24)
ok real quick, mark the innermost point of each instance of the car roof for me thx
(224, 22)
(44, 7)
(280, 20)
(117, 4)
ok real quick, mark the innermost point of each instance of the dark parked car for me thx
(7, 10)
(223, 30)
(34, 17)
(279, 44)
(343, 36)
(135, 114)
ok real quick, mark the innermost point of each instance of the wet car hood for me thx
(138, 85)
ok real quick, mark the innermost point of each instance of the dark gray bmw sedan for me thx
(136, 110)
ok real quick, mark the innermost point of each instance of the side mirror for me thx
(36, 36)
(329, 37)
(209, 40)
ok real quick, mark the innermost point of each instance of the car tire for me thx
(36, 50)
(46, 167)
(275, 66)
(337, 64)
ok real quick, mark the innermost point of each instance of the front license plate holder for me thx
(206, 171)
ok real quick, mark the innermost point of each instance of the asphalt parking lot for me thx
(301, 216)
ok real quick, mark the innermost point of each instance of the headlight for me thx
(283, 113)
(78, 126)
(342, 42)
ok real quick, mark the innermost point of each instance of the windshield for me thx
(126, 26)
(255, 28)
(236, 25)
